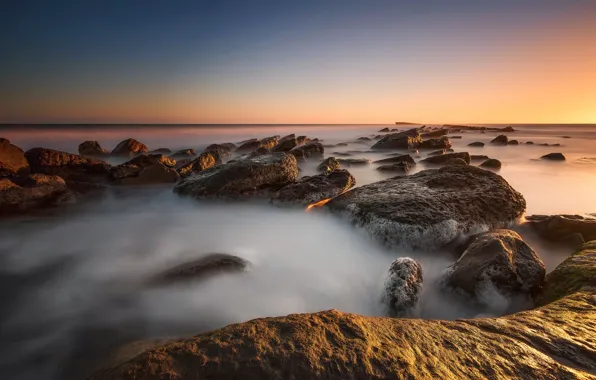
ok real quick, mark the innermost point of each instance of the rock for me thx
(364, 139)
(308, 190)
(476, 144)
(441, 160)
(312, 149)
(203, 268)
(553, 342)
(435, 133)
(455, 162)
(500, 140)
(269, 142)
(508, 129)
(437, 152)
(429, 209)
(576, 272)
(262, 151)
(557, 144)
(563, 227)
(329, 164)
(302, 140)
(553, 157)
(385, 130)
(185, 153)
(455, 137)
(163, 151)
(409, 139)
(478, 157)
(129, 148)
(145, 170)
(401, 158)
(249, 146)
(241, 178)
(342, 154)
(529, 142)
(341, 144)
(498, 261)
(204, 161)
(349, 162)
(566, 137)
(544, 144)
(400, 167)
(92, 148)
(491, 163)
(12, 159)
(513, 142)
(286, 144)
(31, 192)
(180, 163)
(70, 167)
(441, 143)
(403, 288)
(223, 150)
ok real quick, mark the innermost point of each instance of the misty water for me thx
(74, 282)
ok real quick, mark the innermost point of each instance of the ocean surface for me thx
(74, 282)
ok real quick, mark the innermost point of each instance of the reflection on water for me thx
(74, 288)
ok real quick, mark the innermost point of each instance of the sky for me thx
(324, 61)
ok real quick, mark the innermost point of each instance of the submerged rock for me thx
(400, 167)
(498, 261)
(70, 167)
(204, 161)
(563, 227)
(308, 190)
(455, 162)
(513, 142)
(203, 268)
(441, 143)
(403, 287)
(500, 140)
(92, 148)
(401, 158)
(129, 148)
(435, 133)
(12, 158)
(163, 151)
(32, 192)
(441, 160)
(491, 163)
(241, 178)
(184, 153)
(478, 157)
(476, 144)
(249, 146)
(431, 208)
(437, 152)
(329, 164)
(145, 170)
(409, 139)
(553, 157)
(349, 162)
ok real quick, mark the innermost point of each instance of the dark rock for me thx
(400, 167)
(455, 137)
(437, 152)
(92, 148)
(478, 157)
(349, 162)
(529, 142)
(286, 144)
(403, 140)
(513, 142)
(302, 140)
(163, 151)
(491, 163)
(403, 288)
(431, 208)
(500, 140)
(223, 150)
(476, 144)
(129, 148)
(342, 154)
(385, 130)
(203, 268)
(262, 151)
(312, 149)
(497, 261)
(544, 144)
(553, 157)
(70, 167)
(557, 144)
(145, 170)
(269, 142)
(12, 159)
(401, 158)
(185, 153)
(441, 160)
(182, 162)
(241, 178)
(562, 227)
(341, 144)
(508, 129)
(32, 192)
(455, 162)
(205, 161)
(364, 139)
(249, 146)
(308, 190)
(566, 137)
(435, 133)
(441, 143)
(329, 164)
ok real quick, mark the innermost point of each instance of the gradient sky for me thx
(218, 61)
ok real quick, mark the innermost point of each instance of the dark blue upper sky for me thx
(60, 52)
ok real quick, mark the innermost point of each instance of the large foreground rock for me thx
(403, 140)
(71, 167)
(145, 170)
(498, 261)
(32, 192)
(241, 178)
(130, 148)
(12, 158)
(563, 227)
(403, 288)
(308, 190)
(431, 208)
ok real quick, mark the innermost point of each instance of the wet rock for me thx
(163, 151)
(500, 140)
(553, 157)
(308, 190)
(400, 168)
(498, 261)
(349, 162)
(491, 163)
(145, 170)
(302, 140)
(208, 266)
(401, 158)
(441, 143)
(478, 157)
(455, 162)
(70, 167)
(329, 164)
(32, 192)
(529, 142)
(92, 148)
(223, 150)
(241, 178)
(403, 140)
(403, 288)
(184, 153)
(129, 148)
(441, 160)
(269, 142)
(204, 161)
(12, 159)
(312, 149)
(513, 142)
(431, 208)
(435, 133)
(437, 152)
(262, 151)
(563, 227)
(249, 146)
(286, 144)
(476, 144)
